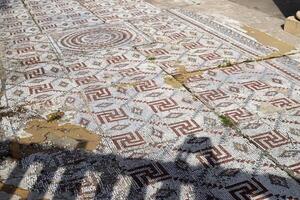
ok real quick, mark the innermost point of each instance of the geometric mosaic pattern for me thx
(152, 84)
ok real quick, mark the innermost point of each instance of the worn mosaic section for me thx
(141, 91)
(261, 100)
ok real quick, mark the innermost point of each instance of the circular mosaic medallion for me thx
(92, 39)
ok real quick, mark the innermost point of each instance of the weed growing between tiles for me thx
(226, 121)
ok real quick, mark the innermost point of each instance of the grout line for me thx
(235, 127)
(32, 17)
(230, 64)
(2, 73)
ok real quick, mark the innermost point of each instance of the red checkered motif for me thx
(116, 59)
(149, 174)
(97, 94)
(31, 60)
(214, 156)
(238, 114)
(185, 127)
(285, 103)
(210, 56)
(128, 140)
(111, 115)
(249, 190)
(156, 52)
(163, 105)
(130, 72)
(192, 45)
(86, 80)
(212, 95)
(295, 168)
(76, 67)
(256, 85)
(34, 73)
(37, 89)
(270, 140)
(145, 86)
(232, 70)
(25, 50)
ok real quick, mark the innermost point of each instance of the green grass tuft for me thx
(226, 121)
(151, 58)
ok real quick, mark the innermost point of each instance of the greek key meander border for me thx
(223, 32)
(249, 43)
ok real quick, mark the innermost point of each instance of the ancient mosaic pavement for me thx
(158, 104)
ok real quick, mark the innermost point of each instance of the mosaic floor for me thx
(157, 104)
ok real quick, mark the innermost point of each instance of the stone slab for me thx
(292, 25)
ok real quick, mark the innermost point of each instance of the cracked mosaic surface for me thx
(151, 83)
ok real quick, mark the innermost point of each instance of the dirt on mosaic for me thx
(148, 99)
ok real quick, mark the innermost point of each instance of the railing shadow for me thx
(4, 5)
(143, 172)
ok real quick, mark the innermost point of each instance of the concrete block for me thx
(292, 25)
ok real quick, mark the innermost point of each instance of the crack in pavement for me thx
(180, 80)
(31, 15)
(2, 73)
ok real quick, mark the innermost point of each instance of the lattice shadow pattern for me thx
(77, 163)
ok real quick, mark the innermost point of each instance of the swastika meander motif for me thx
(142, 97)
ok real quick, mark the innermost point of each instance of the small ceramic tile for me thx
(150, 85)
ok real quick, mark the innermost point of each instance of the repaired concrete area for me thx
(266, 17)
(292, 24)
(126, 99)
